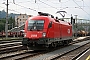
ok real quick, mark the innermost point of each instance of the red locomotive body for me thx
(46, 32)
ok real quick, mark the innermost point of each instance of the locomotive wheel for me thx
(25, 47)
(66, 43)
(53, 44)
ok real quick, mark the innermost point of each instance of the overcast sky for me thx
(31, 7)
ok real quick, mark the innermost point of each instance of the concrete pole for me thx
(12, 25)
(59, 0)
(6, 26)
(76, 25)
(72, 21)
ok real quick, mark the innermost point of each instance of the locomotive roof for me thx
(41, 17)
(49, 19)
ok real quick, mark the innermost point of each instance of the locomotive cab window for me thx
(35, 25)
(50, 25)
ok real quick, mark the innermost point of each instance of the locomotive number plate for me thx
(34, 35)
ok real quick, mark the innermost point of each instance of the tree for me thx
(2, 27)
(11, 22)
(80, 28)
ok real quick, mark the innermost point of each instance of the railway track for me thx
(61, 52)
(72, 54)
(10, 46)
(10, 41)
(18, 53)
(12, 49)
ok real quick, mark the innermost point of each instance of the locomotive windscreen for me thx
(35, 25)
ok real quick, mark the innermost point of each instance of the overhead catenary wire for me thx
(48, 4)
(85, 5)
(39, 6)
(55, 7)
(61, 9)
(10, 9)
(24, 6)
(65, 1)
(25, 2)
(81, 8)
(51, 6)
(34, 9)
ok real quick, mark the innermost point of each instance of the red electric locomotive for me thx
(44, 31)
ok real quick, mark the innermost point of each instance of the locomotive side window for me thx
(35, 25)
(50, 25)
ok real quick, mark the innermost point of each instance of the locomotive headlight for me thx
(44, 34)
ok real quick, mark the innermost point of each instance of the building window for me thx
(20, 19)
(23, 16)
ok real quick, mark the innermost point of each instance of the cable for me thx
(38, 7)
(45, 4)
(65, 1)
(48, 5)
(14, 10)
(23, 2)
(86, 5)
(10, 9)
(24, 6)
(81, 8)
(33, 9)
(1, 7)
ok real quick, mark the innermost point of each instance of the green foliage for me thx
(80, 28)
(2, 24)
(2, 27)
(11, 23)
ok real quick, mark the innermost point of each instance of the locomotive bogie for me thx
(45, 43)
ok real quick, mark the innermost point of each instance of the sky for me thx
(81, 8)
